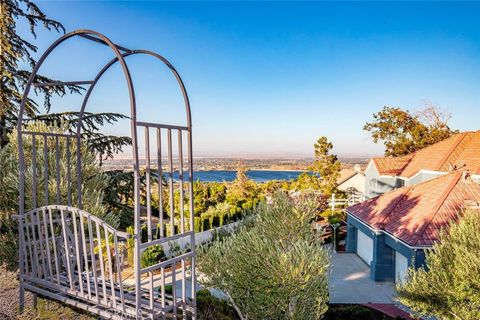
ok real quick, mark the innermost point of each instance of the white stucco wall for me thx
(357, 182)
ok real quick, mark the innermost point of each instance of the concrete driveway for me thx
(350, 282)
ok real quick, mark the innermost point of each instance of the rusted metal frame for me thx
(52, 230)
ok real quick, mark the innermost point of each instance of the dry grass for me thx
(46, 309)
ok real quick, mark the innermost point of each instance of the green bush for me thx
(210, 307)
(152, 255)
(279, 248)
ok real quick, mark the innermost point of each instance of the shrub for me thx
(210, 307)
(272, 268)
(152, 255)
(450, 289)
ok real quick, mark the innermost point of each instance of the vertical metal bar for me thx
(79, 171)
(45, 156)
(85, 256)
(69, 174)
(102, 267)
(184, 290)
(110, 269)
(162, 289)
(174, 289)
(57, 168)
(160, 180)
(192, 222)
(149, 210)
(40, 239)
(119, 271)
(34, 171)
(77, 251)
(180, 177)
(67, 247)
(52, 230)
(147, 173)
(34, 243)
(29, 244)
(170, 183)
(49, 262)
(92, 256)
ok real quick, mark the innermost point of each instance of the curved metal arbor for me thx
(73, 256)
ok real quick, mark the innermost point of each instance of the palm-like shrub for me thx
(274, 268)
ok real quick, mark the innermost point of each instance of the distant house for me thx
(392, 231)
(352, 180)
(410, 199)
(459, 152)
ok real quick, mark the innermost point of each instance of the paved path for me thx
(350, 282)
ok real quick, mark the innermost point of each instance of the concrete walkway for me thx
(350, 282)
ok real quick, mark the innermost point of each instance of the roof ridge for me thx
(452, 149)
(439, 204)
(408, 189)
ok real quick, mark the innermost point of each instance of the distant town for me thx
(229, 164)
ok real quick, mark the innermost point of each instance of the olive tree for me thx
(274, 267)
(450, 289)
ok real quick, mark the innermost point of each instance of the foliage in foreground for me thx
(274, 269)
(450, 289)
(93, 186)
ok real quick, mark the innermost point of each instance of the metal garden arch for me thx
(71, 255)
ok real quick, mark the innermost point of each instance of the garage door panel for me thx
(401, 267)
(364, 247)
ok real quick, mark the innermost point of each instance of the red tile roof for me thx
(460, 151)
(416, 214)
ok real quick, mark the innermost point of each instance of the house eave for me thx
(380, 231)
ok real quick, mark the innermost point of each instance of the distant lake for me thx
(227, 175)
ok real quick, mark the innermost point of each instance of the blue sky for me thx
(269, 78)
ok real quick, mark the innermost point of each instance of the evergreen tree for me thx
(326, 166)
(16, 51)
